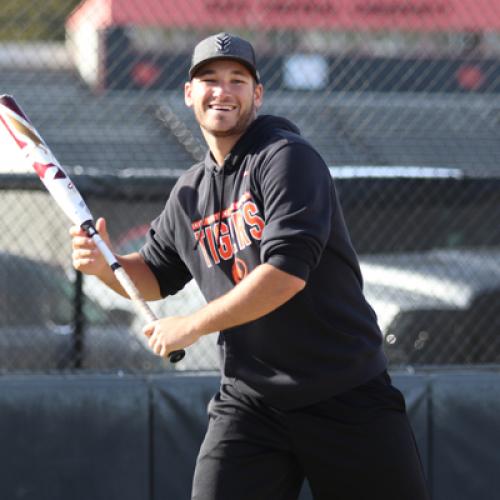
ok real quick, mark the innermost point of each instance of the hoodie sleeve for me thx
(296, 189)
(160, 254)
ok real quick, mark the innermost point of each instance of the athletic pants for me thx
(354, 446)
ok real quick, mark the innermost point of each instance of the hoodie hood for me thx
(265, 126)
(262, 129)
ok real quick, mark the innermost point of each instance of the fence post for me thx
(78, 327)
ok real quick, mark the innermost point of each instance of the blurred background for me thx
(401, 97)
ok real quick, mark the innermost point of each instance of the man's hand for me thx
(170, 334)
(88, 259)
(86, 256)
(262, 291)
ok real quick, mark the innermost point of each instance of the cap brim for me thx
(194, 69)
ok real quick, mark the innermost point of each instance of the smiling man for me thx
(224, 93)
(304, 388)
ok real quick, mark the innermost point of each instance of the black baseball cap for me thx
(224, 46)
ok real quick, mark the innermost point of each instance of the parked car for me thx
(438, 306)
(435, 306)
(37, 327)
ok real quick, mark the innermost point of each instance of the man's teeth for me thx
(220, 107)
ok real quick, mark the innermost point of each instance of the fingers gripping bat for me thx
(65, 194)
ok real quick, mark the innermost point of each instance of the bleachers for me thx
(381, 129)
(425, 130)
(155, 130)
(108, 132)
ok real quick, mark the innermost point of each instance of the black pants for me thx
(354, 446)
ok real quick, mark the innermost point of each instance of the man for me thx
(304, 389)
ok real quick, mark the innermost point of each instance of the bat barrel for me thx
(38, 155)
(9, 102)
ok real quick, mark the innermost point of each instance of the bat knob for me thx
(176, 356)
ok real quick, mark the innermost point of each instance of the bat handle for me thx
(141, 305)
(127, 284)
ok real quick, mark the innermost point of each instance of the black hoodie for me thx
(274, 202)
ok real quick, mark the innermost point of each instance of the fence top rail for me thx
(366, 181)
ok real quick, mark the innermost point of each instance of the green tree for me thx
(34, 20)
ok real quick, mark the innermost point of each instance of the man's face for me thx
(224, 97)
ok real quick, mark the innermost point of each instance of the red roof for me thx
(408, 15)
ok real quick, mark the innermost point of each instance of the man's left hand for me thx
(170, 334)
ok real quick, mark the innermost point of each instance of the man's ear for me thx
(187, 95)
(258, 95)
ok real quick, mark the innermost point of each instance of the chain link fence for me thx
(401, 97)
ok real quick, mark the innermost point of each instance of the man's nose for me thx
(220, 89)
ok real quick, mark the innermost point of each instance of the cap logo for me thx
(223, 43)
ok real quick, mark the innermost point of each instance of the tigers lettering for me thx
(240, 225)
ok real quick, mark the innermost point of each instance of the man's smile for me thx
(222, 107)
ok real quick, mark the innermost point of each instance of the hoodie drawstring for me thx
(210, 188)
(221, 201)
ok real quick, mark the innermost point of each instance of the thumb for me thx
(102, 229)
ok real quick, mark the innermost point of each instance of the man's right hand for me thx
(86, 256)
(88, 259)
